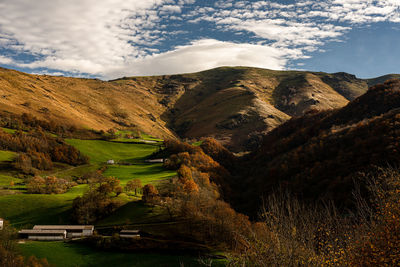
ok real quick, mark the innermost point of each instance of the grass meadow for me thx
(70, 255)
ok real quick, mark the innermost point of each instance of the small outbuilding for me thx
(72, 230)
(1, 223)
(44, 235)
(154, 160)
(110, 162)
(130, 233)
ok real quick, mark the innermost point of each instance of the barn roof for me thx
(63, 227)
(33, 231)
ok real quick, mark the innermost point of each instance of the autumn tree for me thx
(97, 202)
(9, 254)
(24, 163)
(110, 185)
(150, 193)
(135, 184)
(36, 185)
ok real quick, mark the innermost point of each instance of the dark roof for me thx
(33, 231)
(63, 227)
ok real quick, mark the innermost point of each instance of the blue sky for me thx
(114, 38)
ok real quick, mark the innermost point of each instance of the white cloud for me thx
(80, 35)
(112, 38)
(167, 9)
(205, 54)
(6, 60)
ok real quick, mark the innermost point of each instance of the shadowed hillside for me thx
(234, 105)
(319, 155)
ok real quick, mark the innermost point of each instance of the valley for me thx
(284, 143)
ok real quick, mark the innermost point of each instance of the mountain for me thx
(234, 105)
(320, 155)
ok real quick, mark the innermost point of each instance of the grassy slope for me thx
(8, 130)
(28, 209)
(101, 151)
(134, 213)
(24, 210)
(147, 173)
(7, 155)
(192, 104)
(68, 255)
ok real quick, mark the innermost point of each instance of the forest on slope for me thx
(321, 155)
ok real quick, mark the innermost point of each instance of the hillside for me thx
(233, 105)
(319, 155)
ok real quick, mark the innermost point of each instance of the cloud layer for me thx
(113, 38)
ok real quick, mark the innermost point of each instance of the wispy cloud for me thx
(112, 38)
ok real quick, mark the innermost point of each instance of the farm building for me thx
(110, 161)
(1, 223)
(72, 230)
(48, 235)
(129, 233)
(154, 160)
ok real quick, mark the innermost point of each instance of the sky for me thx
(108, 39)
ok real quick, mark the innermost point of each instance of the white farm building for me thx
(44, 235)
(72, 230)
(56, 232)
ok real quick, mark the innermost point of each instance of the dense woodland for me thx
(26, 122)
(38, 150)
(320, 155)
(288, 231)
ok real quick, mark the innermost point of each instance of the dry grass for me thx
(191, 104)
(294, 234)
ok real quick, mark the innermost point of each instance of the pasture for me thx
(100, 151)
(23, 209)
(7, 155)
(70, 254)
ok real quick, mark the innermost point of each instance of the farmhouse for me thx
(71, 230)
(1, 223)
(129, 233)
(48, 235)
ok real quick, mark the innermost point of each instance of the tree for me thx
(134, 184)
(36, 185)
(184, 172)
(24, 163)
(110, 185)
(150, 193)
(9, 253)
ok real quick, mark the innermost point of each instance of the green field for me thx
(7, 155)
(147, 173)
(8, 130)
(134, 212)
(25, 210)
(6, 179)
(28, 209)
(100, 151)
(71, 255)
(141, 138)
